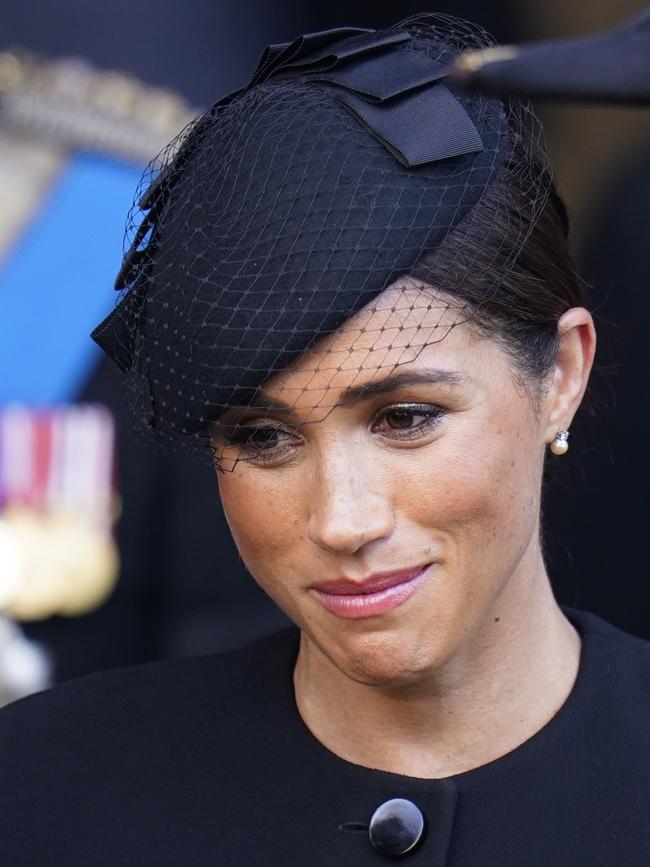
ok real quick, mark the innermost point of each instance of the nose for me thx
(349, 507)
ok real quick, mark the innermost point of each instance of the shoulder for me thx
(133, 766)
(154, 700)
(622, 647)
(617, 667)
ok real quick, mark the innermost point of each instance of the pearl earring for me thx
(560, 445)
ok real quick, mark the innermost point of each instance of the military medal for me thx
(57, 554)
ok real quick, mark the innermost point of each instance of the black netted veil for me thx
(289, 206)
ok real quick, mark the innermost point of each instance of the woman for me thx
(351, 284)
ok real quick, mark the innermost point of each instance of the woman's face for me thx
(397, 526)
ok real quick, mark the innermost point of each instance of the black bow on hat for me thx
(398, 96)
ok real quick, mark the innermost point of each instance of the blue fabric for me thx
(58, 280)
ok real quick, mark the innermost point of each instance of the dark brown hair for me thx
(522, 308)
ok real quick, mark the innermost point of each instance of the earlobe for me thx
(573, 363)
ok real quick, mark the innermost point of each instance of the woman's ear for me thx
(573, 364)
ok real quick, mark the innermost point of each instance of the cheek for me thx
(478, 488)
(263, 520)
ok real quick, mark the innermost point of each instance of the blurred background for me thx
(89, 92)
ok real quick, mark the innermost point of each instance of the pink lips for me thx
(375, 595)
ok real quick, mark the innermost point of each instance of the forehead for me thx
(399, 330)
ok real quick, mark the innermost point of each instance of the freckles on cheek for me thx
(497, 495)
(470, 488)
(263, 522)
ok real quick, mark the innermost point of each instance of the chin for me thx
(383, 659)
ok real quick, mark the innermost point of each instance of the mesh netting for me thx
(285, 251)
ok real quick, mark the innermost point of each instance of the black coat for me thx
(206, 762)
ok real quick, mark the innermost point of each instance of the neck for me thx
(500, 689)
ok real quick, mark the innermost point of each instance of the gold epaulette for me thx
(74, 106)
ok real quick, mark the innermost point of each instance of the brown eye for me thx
(247, 436)
(407, 421)
(399, 419)
(265, 438)
(260, 442)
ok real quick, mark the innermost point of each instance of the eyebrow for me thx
(428, 376)
(353, 393)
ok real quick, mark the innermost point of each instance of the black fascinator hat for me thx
(343, 166)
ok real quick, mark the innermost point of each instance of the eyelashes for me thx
(262, 442)
(269, 441)
(399, 422)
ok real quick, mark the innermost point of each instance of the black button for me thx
(396, 827)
